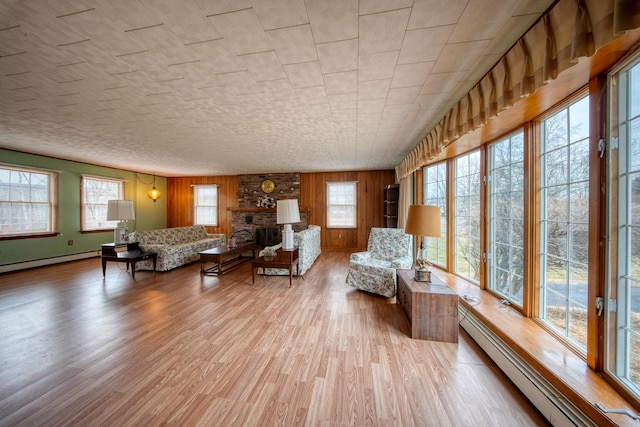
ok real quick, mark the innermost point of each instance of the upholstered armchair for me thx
(375, 270)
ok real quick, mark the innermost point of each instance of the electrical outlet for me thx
(70, 242)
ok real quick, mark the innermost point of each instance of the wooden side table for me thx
(132, 255)
(285, 258)
(431, 308)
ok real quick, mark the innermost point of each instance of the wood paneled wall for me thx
(312, 196)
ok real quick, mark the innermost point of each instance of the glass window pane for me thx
(27, 198)
(206, 205)
(341, 204)
(564, 219)
(467, 199)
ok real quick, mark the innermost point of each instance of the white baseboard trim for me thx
(544, 396)
(47, 261)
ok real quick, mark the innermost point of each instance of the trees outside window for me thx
(435, 194)
(467, 216)
(505, 192)
(564, 221)
(622, 311)
(96, 193)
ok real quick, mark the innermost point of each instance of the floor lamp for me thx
(423, 221)
(122, 211)
(287, 212)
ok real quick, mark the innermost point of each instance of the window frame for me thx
(619, 275)
(108, 225)
(491, 180)
(433, 244)
(51, 203)
(455, 210)
(354, 190)
(213, 207)
(540, 266)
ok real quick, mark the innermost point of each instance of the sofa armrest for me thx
(270, 250)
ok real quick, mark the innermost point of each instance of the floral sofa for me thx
(175, 246)
(375, 270)
(308, 243)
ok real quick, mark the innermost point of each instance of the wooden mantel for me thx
(257, 209)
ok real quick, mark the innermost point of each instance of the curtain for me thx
(405, 199)
(570, 30)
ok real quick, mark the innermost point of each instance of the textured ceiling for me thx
(217, 87)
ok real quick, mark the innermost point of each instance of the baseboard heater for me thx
(47, 261)
(542, 394)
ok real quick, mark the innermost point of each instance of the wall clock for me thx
(268, 186)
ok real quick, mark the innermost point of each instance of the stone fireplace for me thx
(250, 215)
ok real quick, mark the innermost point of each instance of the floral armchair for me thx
(375, 270)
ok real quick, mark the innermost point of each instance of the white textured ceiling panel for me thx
(213, 87)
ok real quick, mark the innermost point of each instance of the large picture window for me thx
(467, 200)
(342, 205)
(96, 192)
(435, 194)
(623, 303)
(505, 192)
(28, 201)
(564, 221)
(205, 199)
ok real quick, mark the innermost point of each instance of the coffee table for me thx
(284, 258)
(226, 258)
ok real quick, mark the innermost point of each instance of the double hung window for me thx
(205, 199)
(96, 193)
(342, 205)
(28, 200)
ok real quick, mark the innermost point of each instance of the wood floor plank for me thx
(179, 348)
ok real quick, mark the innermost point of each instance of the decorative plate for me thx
(268, 186)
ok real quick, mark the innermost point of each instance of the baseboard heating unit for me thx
(47, 261)
(542, 394)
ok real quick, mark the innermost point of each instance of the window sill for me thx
(553, 361)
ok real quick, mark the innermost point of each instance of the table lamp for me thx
(423, 221)
(287, 212)
(120, 210)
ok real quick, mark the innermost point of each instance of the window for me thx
(435, 194)
(505, 192)
(564, 221)
(467, 200)
(622, 331)
(205, 204)
(96, 192)
(27, 201)
(341, 205)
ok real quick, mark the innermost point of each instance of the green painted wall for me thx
(149, 215)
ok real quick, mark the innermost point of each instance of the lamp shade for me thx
(423, 220)
(287, 211)
(120, 210)
(154, 194)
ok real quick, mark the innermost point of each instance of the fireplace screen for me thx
(268, 236)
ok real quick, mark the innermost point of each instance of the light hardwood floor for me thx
(177, 348)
